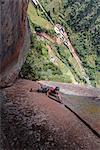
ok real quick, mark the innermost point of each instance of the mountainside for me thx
(50, 59)
(81, 18)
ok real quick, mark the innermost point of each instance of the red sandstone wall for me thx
(14, 39)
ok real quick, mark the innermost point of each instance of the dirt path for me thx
(46, 36)
(31, 120)
(53, 39)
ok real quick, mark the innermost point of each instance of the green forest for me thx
(81, 20)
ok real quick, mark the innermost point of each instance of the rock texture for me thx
(14, 39)
(32, 121)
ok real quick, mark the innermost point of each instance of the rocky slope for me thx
(14, 39)
(31, 120)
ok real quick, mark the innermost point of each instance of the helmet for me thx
(57, 88)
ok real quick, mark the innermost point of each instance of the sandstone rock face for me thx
(14, 41)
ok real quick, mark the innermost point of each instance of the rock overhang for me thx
(14, 39)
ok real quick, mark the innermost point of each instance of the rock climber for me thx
(54, 91)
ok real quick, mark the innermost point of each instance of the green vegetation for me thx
(38, 65)
(81, 20)
(35, 18)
